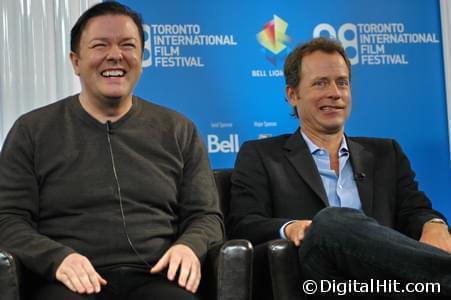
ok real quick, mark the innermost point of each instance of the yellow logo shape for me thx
(273, 36)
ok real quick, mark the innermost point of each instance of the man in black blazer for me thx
(360, 193)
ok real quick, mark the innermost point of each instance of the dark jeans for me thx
(344, 244)
(132, 283)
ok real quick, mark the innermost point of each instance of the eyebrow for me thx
(327, 78)
(104, 39)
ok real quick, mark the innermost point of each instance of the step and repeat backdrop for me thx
(220, 63)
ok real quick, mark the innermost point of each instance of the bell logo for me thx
(225, 146)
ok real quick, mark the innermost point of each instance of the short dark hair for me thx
(293, 62)
(101, 9)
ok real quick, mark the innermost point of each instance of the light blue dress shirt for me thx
(341, 190)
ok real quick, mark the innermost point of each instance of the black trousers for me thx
(124, 282)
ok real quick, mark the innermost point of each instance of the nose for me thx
(114, 53)
(334, 91)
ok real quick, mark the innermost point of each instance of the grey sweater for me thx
(58, 193)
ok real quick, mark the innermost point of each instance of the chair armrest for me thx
(227, 274)
(228, 271)
(9, 278)
(284, 269)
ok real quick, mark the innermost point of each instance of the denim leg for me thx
(343, 243)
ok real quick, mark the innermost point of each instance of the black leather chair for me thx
(284, 269)
(227, 272)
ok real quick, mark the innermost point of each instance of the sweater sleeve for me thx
(201, 222)
(19, 206)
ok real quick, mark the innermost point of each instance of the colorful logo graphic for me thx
(273, 39)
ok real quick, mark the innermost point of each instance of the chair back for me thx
(222, 178)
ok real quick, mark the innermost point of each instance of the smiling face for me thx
(109, 59)
(323, 96)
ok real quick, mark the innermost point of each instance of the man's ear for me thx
(292, 96)
(75, 60)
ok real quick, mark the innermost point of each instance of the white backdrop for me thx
(445, 11)
(34, 55)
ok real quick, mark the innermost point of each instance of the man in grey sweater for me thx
(104, 195)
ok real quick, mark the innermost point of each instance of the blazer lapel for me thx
(363, 165)
(300, 157)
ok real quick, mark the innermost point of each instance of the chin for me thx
(114, 99)
(115, 93)
(332, 129)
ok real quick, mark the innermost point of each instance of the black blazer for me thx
(276, 180)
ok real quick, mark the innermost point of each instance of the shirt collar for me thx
(314, 148)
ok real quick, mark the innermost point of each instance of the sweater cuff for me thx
(57, 260)
(197, 249)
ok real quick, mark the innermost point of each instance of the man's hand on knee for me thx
(436, 235)
(181, 258)
(296, 230)
(77, 273)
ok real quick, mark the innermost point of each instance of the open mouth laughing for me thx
(113, 73)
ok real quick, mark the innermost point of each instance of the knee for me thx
(332, 219)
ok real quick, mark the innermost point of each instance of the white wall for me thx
(34, 55)
(445, 11)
